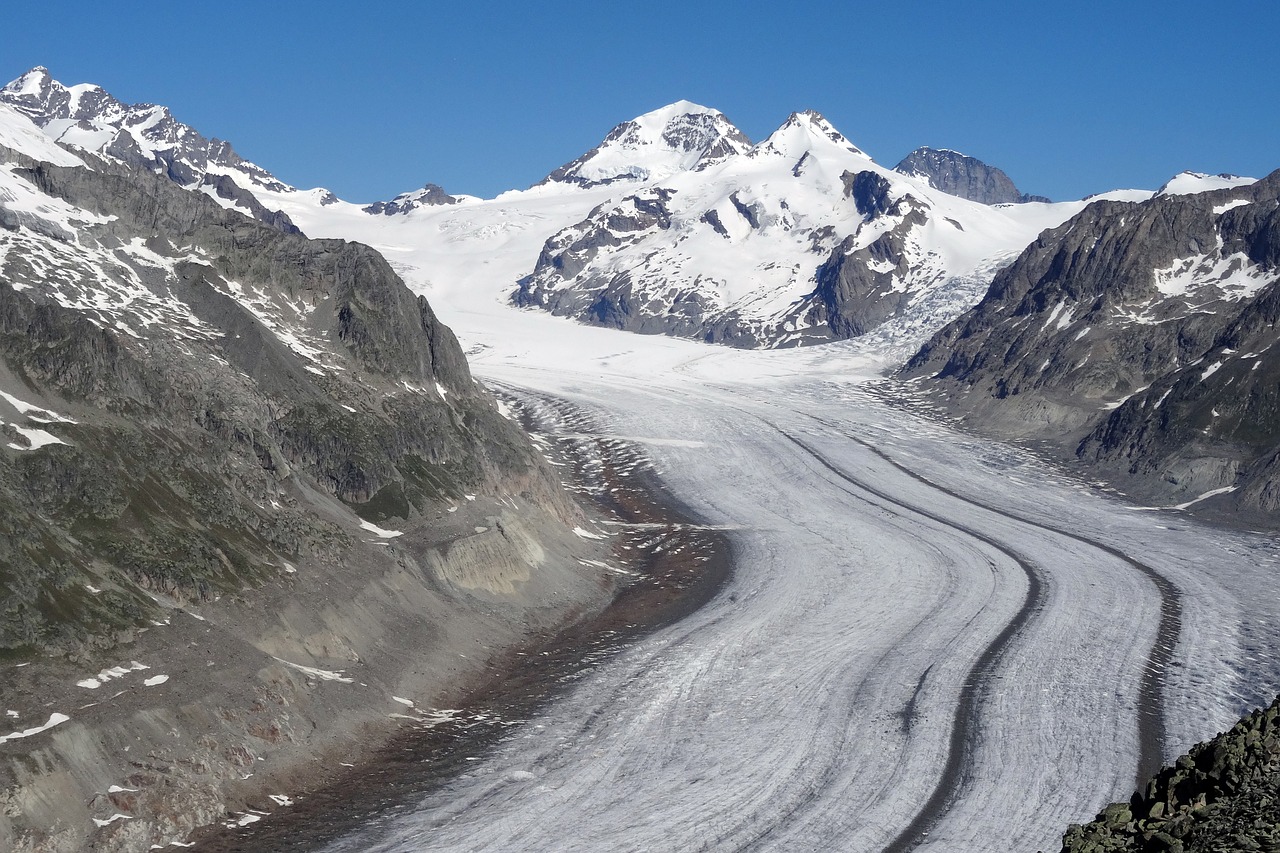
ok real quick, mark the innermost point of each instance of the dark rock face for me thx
(855, 291)
(569, 252)
(270, 380)
(869, 191)
(1219, 796)
(1140, 335)
(858, 290)
(1218, 415)
(430, 195)
(967, 177)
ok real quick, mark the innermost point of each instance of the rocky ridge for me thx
(962, 175)
(148, 137)
(1137, 337)
(142, 136)
(254, 505)
(760, 245)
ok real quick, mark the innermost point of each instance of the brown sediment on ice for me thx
(673, 565)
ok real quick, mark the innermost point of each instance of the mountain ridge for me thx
(1137, 337)
(255, 464)
(770, 247)
(144, 136)
(754, 245)
(965, 176)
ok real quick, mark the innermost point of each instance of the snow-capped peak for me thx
(655, 121)
(34, 82)
(1189, 183)
(804, 132)
(652, 147)
(45, 100)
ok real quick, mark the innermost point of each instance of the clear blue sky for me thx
(372, 99)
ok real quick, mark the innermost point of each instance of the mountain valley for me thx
(269, 498)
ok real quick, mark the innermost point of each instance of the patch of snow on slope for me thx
(35, 438)
(322, 674)
(110, 674)
(21, 134)
(1189, 183)
(1211, 275)
(1220, 209)
(378, 531)
(55, 719)
(33, 412)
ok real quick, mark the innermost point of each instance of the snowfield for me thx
(930, 641)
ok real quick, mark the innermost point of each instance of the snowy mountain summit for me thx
(655, 146)
(802, 134)
(1190, 183)
(802, 238)
(429, 196)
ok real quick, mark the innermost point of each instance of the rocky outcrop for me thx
(1138, 335)
(967, 177)
(430, 195)
(607, 297)
(1211, 425)
(257, 467)
(224, 187)
(859, 288)
(1221, 795)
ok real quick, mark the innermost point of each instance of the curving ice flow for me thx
(930, 641)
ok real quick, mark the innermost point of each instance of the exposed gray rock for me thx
(606, 303)
(857, 290)
(1220, 796)
(967, 177)
(1212, 424)
(869, 191)
(430, 195)
(226, 188)
(227, 405)
(1143, 329)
